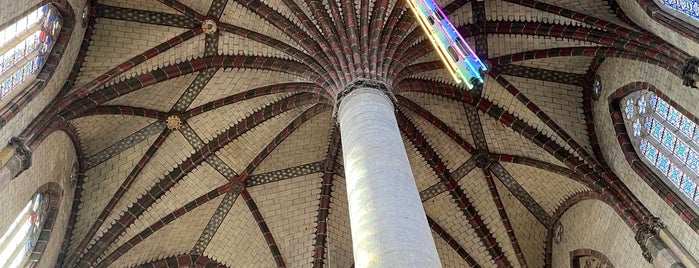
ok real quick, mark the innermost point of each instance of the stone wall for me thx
(592, 224)
(614, 74)
(52, 161)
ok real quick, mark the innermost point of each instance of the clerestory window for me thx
(24, 47)
(18, 242)
(666, 140)
(687, 7)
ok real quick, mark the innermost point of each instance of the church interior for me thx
(212, 133)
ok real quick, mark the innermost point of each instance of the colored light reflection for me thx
(461, 62)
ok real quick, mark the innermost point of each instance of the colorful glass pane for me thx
(674, 116)
(652, 153)
(669, 139)
(693, 161)
(675, 174)
(656, 131)
(648, 124)
(597, 88)
(642, 106)
(688, 187)
(661, 108)
(687, 126)
(25, 51)
(687, 7)
(681, 150)
(663, 163)
(637, 128)
(652, 100)
(630, 107)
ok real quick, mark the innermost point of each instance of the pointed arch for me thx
(652, 131)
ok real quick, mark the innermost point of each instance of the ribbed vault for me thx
(221, 148)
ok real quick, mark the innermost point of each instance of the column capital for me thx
(22, 151)
(645, 232)
(690, 72)
(363, 83)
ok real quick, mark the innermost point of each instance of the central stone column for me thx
(388, 222)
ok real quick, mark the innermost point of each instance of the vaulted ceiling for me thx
(222, 147)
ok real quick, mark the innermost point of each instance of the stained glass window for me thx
(666, 139)
(19, 239)
(24, 47)
(688, 7)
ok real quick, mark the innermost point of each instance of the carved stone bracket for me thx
(645, 232)
(22, 152)
(690, 73)
(364, 83)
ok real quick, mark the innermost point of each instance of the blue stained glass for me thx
(652, 100)
(688, 186)
(661, 108)
(642, 106)
(630, 107)
(652, 153)
(663, 164)
(644, 146)
(669, 140)
(657, 131)
(598, 87)
(688, 7)
(693, 161)
(675, 175)
(681, 150)
(687, 126)
(674, 117)
(636, 128)
(648, 124)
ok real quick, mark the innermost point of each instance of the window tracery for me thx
(667, 140)
(25, 45)
(19, 240)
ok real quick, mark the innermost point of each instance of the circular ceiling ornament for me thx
(173, 122)
(209, 26)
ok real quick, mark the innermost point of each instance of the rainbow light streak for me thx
(463, 64)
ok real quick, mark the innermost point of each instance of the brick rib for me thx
(394, 19)
(183, 260)
(184, 9)
(175, 70)
(169, 180)
(377, 18)
(436, 122)
(586, 157)
(164, 221)
(452, 243)
(125, 186)
(462, 201)
(279, 45)
(300, 36)
(624, 208)
(278, 259)
(84, 90)
(605, 25)
(126, 110)
(521, 194)
(505, 219)
(326, 190)
(145, 16)
(329, 39)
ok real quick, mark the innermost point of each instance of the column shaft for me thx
(388, 222)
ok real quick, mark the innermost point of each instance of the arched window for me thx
(666, 140)
(17, 243)
(687, 7)
(24, 46)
